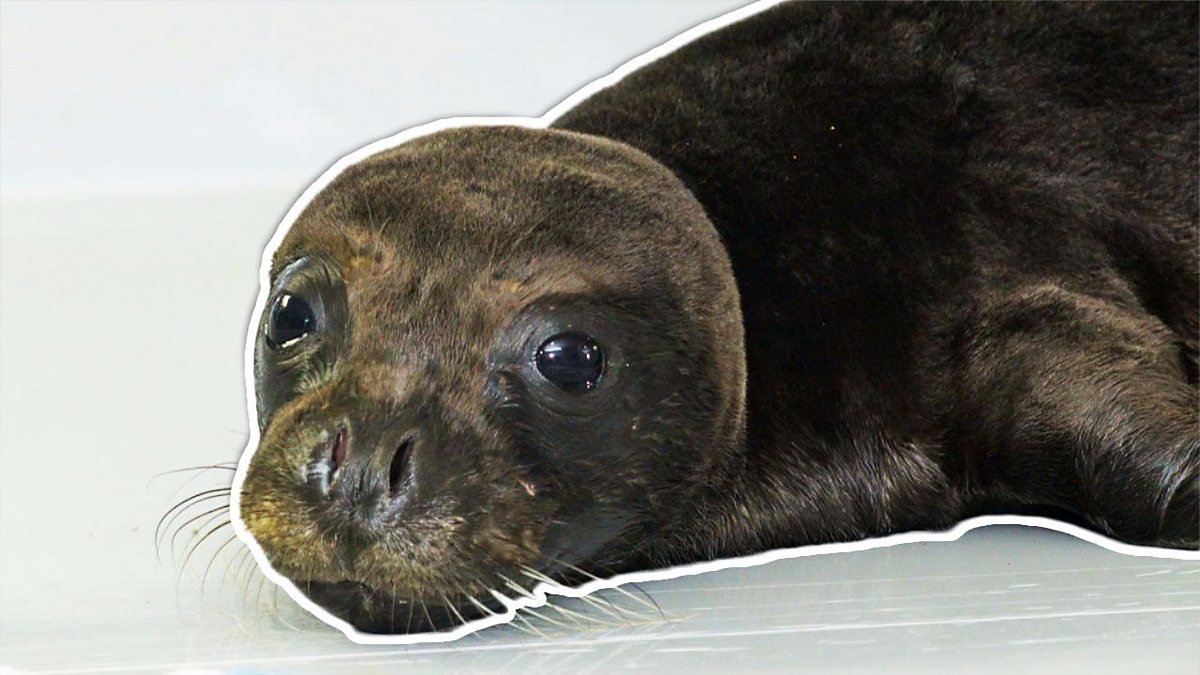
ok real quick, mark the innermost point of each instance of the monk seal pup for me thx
(832, 272)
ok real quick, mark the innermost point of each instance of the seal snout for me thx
(364, 476)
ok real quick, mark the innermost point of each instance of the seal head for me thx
(489, 356)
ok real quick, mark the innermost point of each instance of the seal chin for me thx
(373, 611)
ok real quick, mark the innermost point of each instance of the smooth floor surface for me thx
(122, 349)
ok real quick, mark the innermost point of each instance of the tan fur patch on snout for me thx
(441, 550)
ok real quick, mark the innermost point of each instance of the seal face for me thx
(468, 377)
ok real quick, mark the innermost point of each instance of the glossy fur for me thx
(964, 242)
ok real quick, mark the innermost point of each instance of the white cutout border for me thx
(539, 594)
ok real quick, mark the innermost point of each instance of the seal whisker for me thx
(516, 587)
(279, 614)
(216, 554)
(597, 601)
(253, 607)
(253, 570)
(412, 605)
(648, 602)
(425, 609)
(601, 603)
(188, 553)
(453, 609)
(241, 625)
(480, 606)
(184, 526)
(392, 610)
(175, 511)
(220, 466)
(528, 595)
(530, 628)
(196, 471)
(545, 618)
(233, 567)
(214, 493)
(524, 627)
(580, 618)
(210, 516)
(462, 592)
(257, 606)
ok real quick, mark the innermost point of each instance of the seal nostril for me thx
(337, 454)
(399, 467)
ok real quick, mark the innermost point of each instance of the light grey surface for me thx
(123, 308)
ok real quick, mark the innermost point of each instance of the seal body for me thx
(832, 272)
(965, 239)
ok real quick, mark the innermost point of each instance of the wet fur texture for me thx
(861, 269)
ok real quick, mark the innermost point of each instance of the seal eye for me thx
(291, 319)
(571, 360)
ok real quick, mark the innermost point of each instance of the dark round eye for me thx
(571, 360)
(291, 319)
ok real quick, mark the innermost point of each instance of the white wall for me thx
(104, 96)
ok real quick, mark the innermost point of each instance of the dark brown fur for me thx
(860, 269)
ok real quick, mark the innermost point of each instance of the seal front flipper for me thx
(1074, 402)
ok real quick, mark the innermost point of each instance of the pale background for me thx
(147, 152)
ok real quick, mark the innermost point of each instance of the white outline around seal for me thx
(539, 594)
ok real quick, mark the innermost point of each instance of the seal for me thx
(832, 272)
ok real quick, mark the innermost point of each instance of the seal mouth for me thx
(373, 611)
